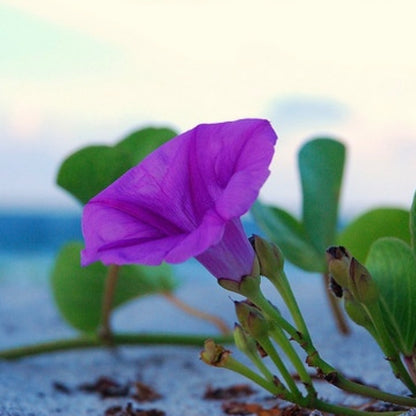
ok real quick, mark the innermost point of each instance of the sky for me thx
(77, 73)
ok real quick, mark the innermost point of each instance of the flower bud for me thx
(335, 288)
(214, 354)
(243, 341)
(251, 319)
(349, 274)
(339, 259)
(269, 255)
(356, 312)
(362, 286)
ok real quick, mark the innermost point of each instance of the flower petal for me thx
(176, 203)
(115, 236)
(209, 232)
(232, 258)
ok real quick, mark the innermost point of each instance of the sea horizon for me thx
(25, 230)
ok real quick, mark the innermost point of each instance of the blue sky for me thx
(74, 73)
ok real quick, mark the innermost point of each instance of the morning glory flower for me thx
(185, 200)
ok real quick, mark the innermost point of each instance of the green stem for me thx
(364, 390)
(331, 375)
(258, 362)
(260, 301)
(316, 361)
(276, 389)
(384, 340)
(278, 335)
(274, 356)
(282, 285)
(307, 402)
(117, 339)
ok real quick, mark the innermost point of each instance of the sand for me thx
(50, 384)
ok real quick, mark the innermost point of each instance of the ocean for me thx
(29, 241)
(40, 232)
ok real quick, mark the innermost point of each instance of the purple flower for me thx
(185, 200)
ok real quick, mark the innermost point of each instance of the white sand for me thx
(27, 314)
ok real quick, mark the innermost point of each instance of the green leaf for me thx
(321, 165)
(392, 265)
(358, 235)
(88, 171)
(142, 142)
(412, 224)
(78, 291)
(285, 231)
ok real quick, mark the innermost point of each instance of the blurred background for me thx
(81, 72)
(76, 73)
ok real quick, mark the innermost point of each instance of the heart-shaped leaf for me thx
(285, 231)
(392, 265)
(78, 291)
(358, 235)
(88, 171)
(142, 142)
(321, 165)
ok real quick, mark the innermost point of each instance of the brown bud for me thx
(214, 354)
(338, 260)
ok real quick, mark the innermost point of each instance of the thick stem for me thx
(335, 308)
(219, 323)
(117, 339)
